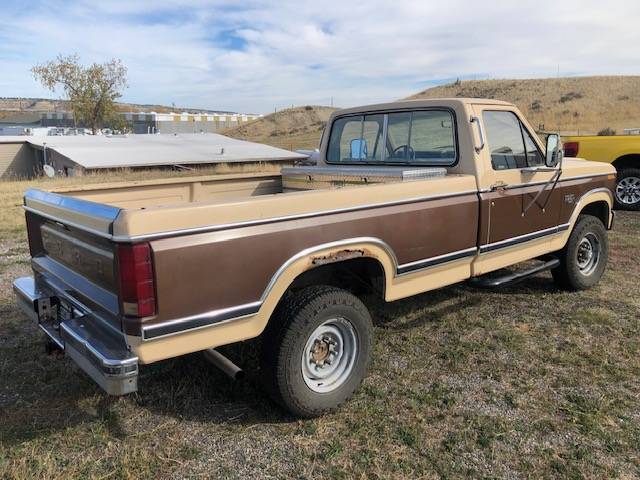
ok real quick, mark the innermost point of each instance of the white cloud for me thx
(295, 52)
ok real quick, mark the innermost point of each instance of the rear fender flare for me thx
(304, 261)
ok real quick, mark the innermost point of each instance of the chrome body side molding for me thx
(543, 182)
(510, 242)
(434, 261)
(197, 322)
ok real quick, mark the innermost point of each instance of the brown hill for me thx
(293, 128)
(571, 105)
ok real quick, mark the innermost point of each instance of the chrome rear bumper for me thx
(97, 349)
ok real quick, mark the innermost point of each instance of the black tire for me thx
(286, 339)
(573, 273)
(628, 176)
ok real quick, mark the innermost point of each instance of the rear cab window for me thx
(510, 143)
(421, 137)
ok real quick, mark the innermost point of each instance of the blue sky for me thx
(254, 56)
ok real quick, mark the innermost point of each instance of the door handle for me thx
(499, 185)
(537, 169)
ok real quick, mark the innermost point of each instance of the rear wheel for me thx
(584, 258)
(316, 350)
(627, 195)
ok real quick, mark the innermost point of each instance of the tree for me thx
(91, 91)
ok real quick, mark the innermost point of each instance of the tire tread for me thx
(288, 324)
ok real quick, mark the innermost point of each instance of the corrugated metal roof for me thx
(93, 152)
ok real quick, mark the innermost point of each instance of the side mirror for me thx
(554, 150)
(359, 149)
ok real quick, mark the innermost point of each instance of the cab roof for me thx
(422, 102)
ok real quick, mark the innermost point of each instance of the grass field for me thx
(528, 382)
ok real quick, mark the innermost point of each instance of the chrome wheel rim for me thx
(329, 355)
(588, 254)
(628, 190)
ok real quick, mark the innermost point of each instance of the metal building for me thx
(153, 122)
(74, 155)
(17, 158)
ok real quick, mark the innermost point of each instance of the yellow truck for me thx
(621, 151)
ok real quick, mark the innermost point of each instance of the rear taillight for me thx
(33, 230)
(571, 149)
(136, 280)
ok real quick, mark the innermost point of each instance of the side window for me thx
(505, 140)
(432, 140)
(534, 155)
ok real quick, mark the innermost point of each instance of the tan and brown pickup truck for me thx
(407, 197)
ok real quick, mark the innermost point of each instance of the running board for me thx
(486, 281)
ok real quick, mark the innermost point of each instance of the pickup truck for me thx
(407, 197)
(621, 151)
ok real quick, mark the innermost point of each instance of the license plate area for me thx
(66, 312)
(52, 311)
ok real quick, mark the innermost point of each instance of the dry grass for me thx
(581, 105)
(528, 382)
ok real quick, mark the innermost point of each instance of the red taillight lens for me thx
(571, 149)
(136, 280)
(33, 230)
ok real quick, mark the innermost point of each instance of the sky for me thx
(255, 56)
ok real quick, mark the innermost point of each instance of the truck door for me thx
(519, 203)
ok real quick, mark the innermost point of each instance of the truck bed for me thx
(225, 188)
(128, 210)
(177, 191)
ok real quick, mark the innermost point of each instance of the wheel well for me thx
(358, 275)
(599, 210)
(627, 161)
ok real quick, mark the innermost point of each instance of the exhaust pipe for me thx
(224, 364)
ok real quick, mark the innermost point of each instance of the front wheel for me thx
(627, 195)
(584, 258)
(316, 350)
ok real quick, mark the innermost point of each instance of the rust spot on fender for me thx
(337, 257)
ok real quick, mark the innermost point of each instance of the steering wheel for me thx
(404, 151)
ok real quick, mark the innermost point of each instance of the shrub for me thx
(607, 132)
(567, 97)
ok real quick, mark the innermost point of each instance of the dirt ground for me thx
(527, 382)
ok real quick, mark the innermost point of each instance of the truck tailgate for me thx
(73, 294)
(70, 246)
